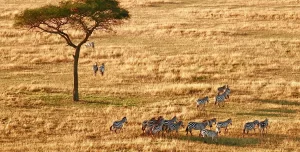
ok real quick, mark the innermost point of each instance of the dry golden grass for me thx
(158, 63)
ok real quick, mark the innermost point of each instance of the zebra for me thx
(211, 122)
(101, 69)
(147, 125)
(196, 126)
(249, 126)
(90, 44)
(168, 122)
(202, 101)
(224, 124)
(222, 89)
(220, 98)
(158, 127)
(118, 124)
(95, 68)
(175, 126)
(210, 133)
(227, 92)
(263, 125)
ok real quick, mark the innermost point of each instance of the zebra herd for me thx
(161, 125)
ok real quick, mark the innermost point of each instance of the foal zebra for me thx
(175, 126)
(263, 125)
(250, 126)
(220, 98)
(90, 44)
(224, 124)
(196, 126)
(210, 133)
(118, 124)
(203, 102)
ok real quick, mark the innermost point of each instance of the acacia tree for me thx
(83, 15)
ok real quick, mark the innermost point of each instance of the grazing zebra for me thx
(168, 122)
(118, 124)
(158, 127)
(211, 122)
(220, 98)
(202, 101)
(147, 125)
(210, 133)
(175, 126)
(224, 124)
(250, 126)
(90, 44)
(222, 89)
(263, 125)
(196, 126)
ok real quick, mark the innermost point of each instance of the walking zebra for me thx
(148, 124)
(222, 89)
(175, 126)
(157, 128)
(227, 92)
(167, 123)
(263, 125)
(95, 68)
(250, 126)
(196, 126)
(90, 44)
(202, 102)
(211, 122)
(118, 124)
(210, 133)
(220, 98)
(224, 124)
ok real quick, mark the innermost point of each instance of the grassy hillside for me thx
(170, 53)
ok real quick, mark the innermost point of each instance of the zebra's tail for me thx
(244, 131)
(187, 129)
(110, 128)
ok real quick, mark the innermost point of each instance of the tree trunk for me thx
(75, 89)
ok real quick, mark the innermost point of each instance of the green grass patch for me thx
(52, 99)
(260, 114)
(226, 141)
(281, 102)
(107, 100)
(277, 110)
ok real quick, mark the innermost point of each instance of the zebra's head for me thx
(256, 122)
(214, 120)
(207, 99)
(229, 121)
(124, 119)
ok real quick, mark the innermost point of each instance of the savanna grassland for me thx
(170, 53)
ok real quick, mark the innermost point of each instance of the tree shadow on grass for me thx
(226, 141)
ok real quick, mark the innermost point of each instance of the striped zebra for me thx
(227, 92)
(210, 133)
(118, 124)
(220, 98)
(211, 122)
(263, 125)
(222, 89)
(167, 123)
(250, 126)
(147, 125)
(158, 127)
(224, 124)
(202, 102)
(175, 126)
(90, 44)
(95, 68)
(196, 126)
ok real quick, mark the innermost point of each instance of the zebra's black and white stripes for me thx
(175, 126)
(210, 133)
(118, 124)
(220, 99)
(224, 124)
(250, 126)
(90, 44)
(202, 102)
(263, 125)
(196, 126)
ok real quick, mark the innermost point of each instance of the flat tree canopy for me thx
(83, 15)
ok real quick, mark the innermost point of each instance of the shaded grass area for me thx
(278, 110)
(108, 100)
(226, 141)
(260, 114)
(280, 102)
